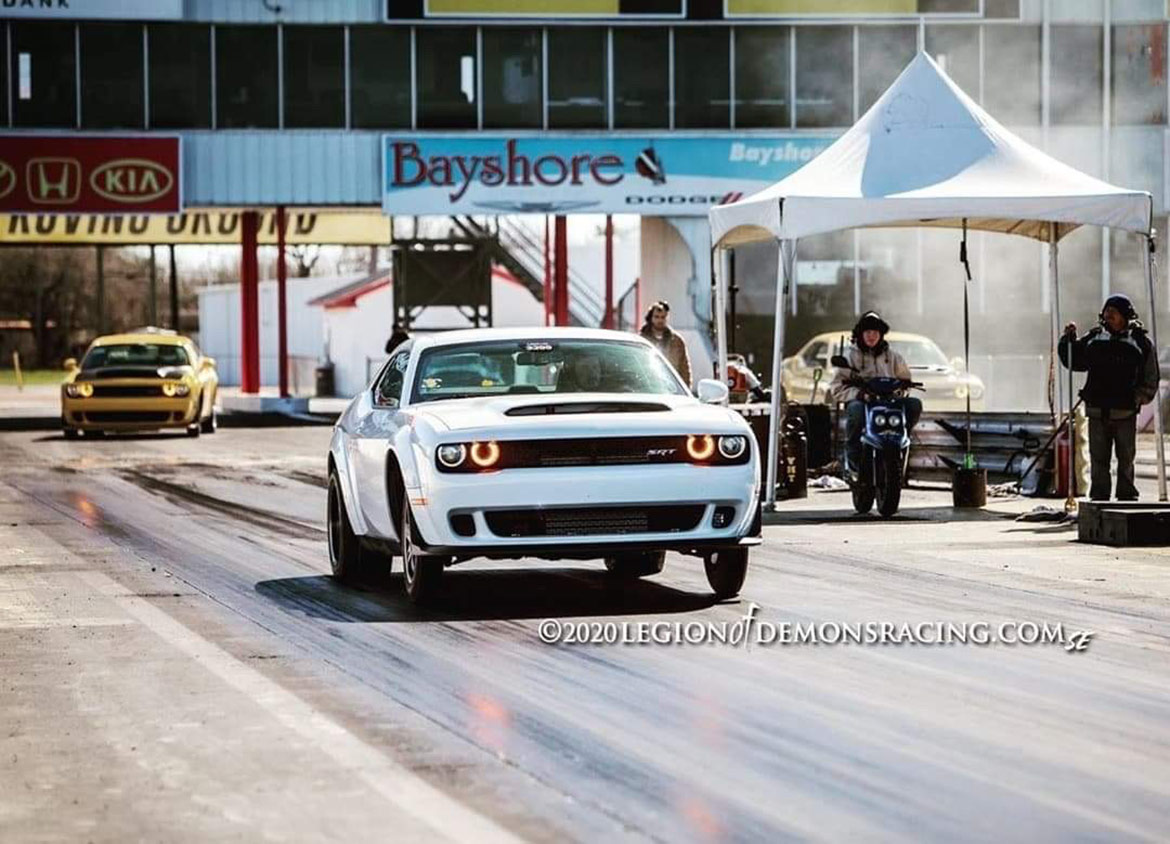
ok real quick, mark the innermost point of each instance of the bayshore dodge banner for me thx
(98, 174)
(584, 174)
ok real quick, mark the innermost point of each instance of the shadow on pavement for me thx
(909, 514)
(483, 596)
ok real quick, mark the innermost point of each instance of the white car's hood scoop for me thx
(563, 407)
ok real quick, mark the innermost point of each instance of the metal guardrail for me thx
(1003, 443)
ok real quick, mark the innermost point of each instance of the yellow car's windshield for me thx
(135, 354)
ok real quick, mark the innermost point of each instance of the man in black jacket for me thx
(1122, 368)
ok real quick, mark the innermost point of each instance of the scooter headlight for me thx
(879, 420)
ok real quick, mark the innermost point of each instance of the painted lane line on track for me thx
(399, 785)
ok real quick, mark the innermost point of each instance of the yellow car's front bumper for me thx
(128, 414)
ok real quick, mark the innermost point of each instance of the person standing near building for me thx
(657, 330)
(1122, 368)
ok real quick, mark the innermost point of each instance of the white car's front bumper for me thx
(492, 498)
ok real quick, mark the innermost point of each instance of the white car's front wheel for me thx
(726, 570)
(422, 573)
(345, 553)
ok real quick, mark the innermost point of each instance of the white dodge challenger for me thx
(553, 443)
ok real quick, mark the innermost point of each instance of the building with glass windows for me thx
(290, 102)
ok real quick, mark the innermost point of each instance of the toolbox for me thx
(1121, 523)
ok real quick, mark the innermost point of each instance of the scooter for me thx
(885, 442)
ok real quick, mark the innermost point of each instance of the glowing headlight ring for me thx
(485, 454)
(700, 447)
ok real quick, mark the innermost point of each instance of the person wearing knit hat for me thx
(1123, 375)
(871, 355)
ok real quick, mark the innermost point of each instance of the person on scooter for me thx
(1123, 375)
(871, 355)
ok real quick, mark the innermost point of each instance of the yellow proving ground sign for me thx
(209, 228)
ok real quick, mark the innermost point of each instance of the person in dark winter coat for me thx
(871, 355)
(1123, 375)
(398, 336)
(672, 346)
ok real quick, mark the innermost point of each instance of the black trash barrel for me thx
(325, 387)
(794, 457)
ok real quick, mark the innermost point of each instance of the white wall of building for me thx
(219, 328)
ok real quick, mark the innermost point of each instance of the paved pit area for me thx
(176, 664)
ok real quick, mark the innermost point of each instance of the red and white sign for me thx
(90, 174)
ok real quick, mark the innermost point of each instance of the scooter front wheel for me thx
(862, 498)
(888, 484)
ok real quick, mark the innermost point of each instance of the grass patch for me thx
(32, 376)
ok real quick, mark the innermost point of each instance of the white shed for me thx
(219, 329)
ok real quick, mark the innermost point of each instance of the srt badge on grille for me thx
(660, 452)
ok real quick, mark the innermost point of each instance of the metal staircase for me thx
(517, 247)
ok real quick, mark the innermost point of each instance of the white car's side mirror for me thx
(711, 391)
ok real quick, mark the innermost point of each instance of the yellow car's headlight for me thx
(82, 390)
(172, 389)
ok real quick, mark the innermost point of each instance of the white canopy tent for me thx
(925, 154)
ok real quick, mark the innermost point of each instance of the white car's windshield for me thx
(504, 367)
(920, 352)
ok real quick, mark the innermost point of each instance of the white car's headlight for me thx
(732, 447)
(452, 455)
(961, 391)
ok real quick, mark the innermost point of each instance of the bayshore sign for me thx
(588, 174)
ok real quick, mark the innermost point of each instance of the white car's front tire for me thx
(422, 573)
(726, 570)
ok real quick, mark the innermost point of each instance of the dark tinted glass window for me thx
(1139, 74)
(1077, 71)
(379, 77)
(180, 76)
(761, 76)
(641, 84)
(956, 50)
(884, 52)
(511, 78)
(702, 78)
(245, 77)
(824, 76)
(446, 78)
(43, 74)
(1011, 74)
(111, 75)
(314, 76)
(576, 79)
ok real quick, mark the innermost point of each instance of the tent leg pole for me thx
(1070, 501)
(1148, 261)
(722, 274)
(783, 277)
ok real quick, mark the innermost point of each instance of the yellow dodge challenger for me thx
(139, 382)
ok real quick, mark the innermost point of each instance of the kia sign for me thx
(95, 174)
(586, 174)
